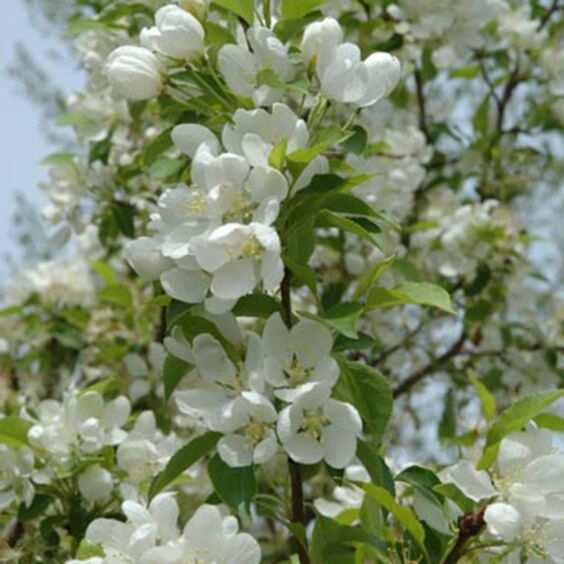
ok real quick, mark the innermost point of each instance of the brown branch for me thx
(508, 91)
(469, 526)
(296, 485)
(414, 379)
(419, 90)
(546, 18)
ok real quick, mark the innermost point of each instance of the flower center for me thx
(197, 205)
(251, 248)
(313, 423)
(254, 432)
(296, 371)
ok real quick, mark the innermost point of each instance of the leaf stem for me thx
(470, 526)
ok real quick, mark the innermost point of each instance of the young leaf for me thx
(420, 293)
(514, 418)
(368, 391)
(235, 486)
(404, 515)
(174, 370)
(13, 431)
(182, 460)
(294, 9)
(371, 276)
(486, 398)
(243, 8)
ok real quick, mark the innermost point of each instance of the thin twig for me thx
(546, 18)
(414, 379)
(419, 90)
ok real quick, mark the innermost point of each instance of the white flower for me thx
(529, 484)
(83, 420)
(16, 469)
(344, 497)
(298, 356)
(239, 257)
(346, 78)
(95, 483)
(177, 34)
(255, 133)
(208, 539)
(134, 72)
(146, 450)
(145, 257)
(240, 67)
(215, 394)
(145, 374)
(316, 427)
(135, 540)
(319, 36)
(253, 439)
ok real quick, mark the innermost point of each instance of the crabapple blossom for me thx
(134, 72)
(177, 34)
(316, 427)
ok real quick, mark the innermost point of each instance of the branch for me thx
(469, 526)
(419, 90)
(454, 351)
(298, 508)
(546, 18)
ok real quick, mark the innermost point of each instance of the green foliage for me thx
(235, 486)
(420, 293)
(182, 460)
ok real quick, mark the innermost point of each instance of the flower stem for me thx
(470, 526)
(297, 490)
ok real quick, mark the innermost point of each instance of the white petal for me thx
(164, 512)
(311, 342)
(266, 183)
(266, 449)
(339, 446)
(238, 67)
(188, 137)
(235, 450)
(243, 549)
(256, 150)
(234, 279)
(503, 521)
(185, 285)
(145, 257)
(212, 361)
(474, 484)
(303, 449)
(384, 72)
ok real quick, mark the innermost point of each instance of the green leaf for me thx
(217, 34)
(13, 431)
(342, 317)
(105, 271)
(358, 142)
(368, 391)
(157, 146)
(118, 294)
(243, 8)
(423, 480)
(371, 276)
(173, 371)
(278, 154)
(550, 421)
(486, 397)
(164, 168)
(447, 425)
(257, 305)
(302, 272)
(125, 218)
(481, 117)
(514, 418)
(235, 486)
(404, 515)
(59, 159)
(175, 311)
(466, 72)
(375, 466)
(294, 9)
(109, 386)
(334, 543)
(330, 219)
(182, 460)
(420, 293)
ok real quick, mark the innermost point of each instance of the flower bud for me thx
(178, 34)
(95, 484)
(319, 36)
(134, 72)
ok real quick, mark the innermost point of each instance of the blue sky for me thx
(22, 145)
